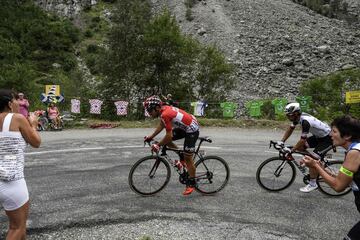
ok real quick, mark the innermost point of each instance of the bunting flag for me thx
(121, 107)
(95, 106)
(199, 108)
(228, 109)
(279, 105)
(75, 106)
(254, 107)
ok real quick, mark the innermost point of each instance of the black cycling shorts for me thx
(354, 233)
(190, 139)
(319, 143)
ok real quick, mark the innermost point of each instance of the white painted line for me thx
(65, 150)
(95, 148)
(210, 147)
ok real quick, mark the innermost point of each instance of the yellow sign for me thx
(52, 90)
(352, 97)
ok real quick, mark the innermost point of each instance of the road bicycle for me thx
(278, 173)
(151, 174)
(45, 124)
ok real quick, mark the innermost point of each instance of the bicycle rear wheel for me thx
(212, 174)
(149, 175)
(43, 124)
(333, 169)
(275, 174)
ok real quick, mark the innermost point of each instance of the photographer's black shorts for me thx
(190, 139)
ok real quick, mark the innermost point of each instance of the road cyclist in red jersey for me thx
(178, 124)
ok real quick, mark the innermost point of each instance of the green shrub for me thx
(88, 33)
(92, 48)
(328, 93)
(96, 19)
(31, 40)
(267, 110)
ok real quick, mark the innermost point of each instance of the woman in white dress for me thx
(15, 132)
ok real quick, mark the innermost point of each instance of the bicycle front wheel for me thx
(332, 168)
(149, 175)
(212, 174)
(275, 174)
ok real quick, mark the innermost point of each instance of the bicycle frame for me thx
(288, 157)
(164, 156)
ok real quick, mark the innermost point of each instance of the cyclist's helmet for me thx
(292, 108)
(152, 102)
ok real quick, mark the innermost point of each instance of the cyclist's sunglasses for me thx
(150, 109)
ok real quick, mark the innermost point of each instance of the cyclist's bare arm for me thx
(288, 133)
(166, 139)
(300, 145)
(172, 145)
(158, 129)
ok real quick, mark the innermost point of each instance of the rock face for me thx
(66, 8)
(275, 45)
(354, 7)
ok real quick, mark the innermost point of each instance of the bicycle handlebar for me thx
(283, 149)
(279, 147)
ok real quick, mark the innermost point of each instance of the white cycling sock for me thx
(312, 182)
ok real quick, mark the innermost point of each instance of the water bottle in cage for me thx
(302, 168)
(179, 166)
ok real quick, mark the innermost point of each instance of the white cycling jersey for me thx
(311, 124)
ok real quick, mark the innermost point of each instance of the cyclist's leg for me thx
(311, 142)
(177, 134)
(322, 144)
(354, 233)
(189, 149)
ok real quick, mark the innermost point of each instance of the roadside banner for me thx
(254, 107)
(53, 90)
(228, 109)
(352, 97)
(52, 94)
(279, 105)
(304, 102)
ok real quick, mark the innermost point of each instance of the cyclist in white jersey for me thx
(319, 140)
(15, 132)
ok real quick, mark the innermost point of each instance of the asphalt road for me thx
(78, 188)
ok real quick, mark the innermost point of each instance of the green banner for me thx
(254, 108)
(228, 109)
(304, 102)
(279, 105)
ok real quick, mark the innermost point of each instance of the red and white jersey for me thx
(173, 117)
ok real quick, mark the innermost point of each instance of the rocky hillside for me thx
(65, 8)
(275, 45)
